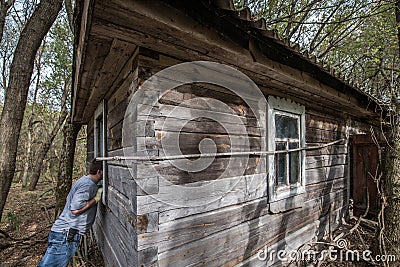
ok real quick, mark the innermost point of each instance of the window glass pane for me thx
(280, 164)
(294, 164)
(99, 137)
(286, 127)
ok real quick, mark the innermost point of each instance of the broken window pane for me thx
(280, 164)
(286, 127)
(294, 164)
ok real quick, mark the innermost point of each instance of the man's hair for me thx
(95, 166)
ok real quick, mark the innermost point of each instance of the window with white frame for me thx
(286, 131)
(100, 136)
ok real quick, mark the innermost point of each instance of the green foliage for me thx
(56, 63)
(357, 37)
(13, 219)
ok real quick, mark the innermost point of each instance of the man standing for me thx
(76, 218)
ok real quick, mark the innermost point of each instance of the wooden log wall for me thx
(115, 225)
(235, 228)
(139, 230)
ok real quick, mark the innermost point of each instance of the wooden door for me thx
(365, 168)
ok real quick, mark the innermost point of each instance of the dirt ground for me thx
(25, 225)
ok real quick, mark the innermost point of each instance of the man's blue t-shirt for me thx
(82, 190)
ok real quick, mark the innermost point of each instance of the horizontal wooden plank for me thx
(315, 135)
(197, 96)
(205, 125)
(290, 241)
(191, 113)
(189, 143)
(330, 150)
(181, 172)
(325, 161)
(174, 202)
(314, 191)
(324, 174)
(324, 122)
(286, 204)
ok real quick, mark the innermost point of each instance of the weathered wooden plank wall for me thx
(226, 232)
(239, 224)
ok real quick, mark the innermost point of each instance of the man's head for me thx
(96, 169)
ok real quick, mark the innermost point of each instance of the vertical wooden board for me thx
(125, 83)
(122, 208)
(116, 242)
(148, 257)
(117, 113)
(90, 142)
(121, 179)
(114, 137)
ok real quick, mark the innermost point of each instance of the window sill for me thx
(286, 204)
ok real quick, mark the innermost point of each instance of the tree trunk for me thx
(44, 148)
(4, 7)
(17, 91)
(397, 13)
(392, 191)
(40, 157)
(31, 123)
(65, 170)
(28, 154)
(392, 182)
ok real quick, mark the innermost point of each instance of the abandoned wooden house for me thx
(157, 213)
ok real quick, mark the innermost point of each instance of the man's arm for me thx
(89, 203)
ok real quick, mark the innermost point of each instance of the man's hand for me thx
(98, 195)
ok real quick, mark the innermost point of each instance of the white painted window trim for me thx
(284, 106)
(100, 112)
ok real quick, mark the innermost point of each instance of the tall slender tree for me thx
(16, 92)
(391, 231)
(70, 133)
